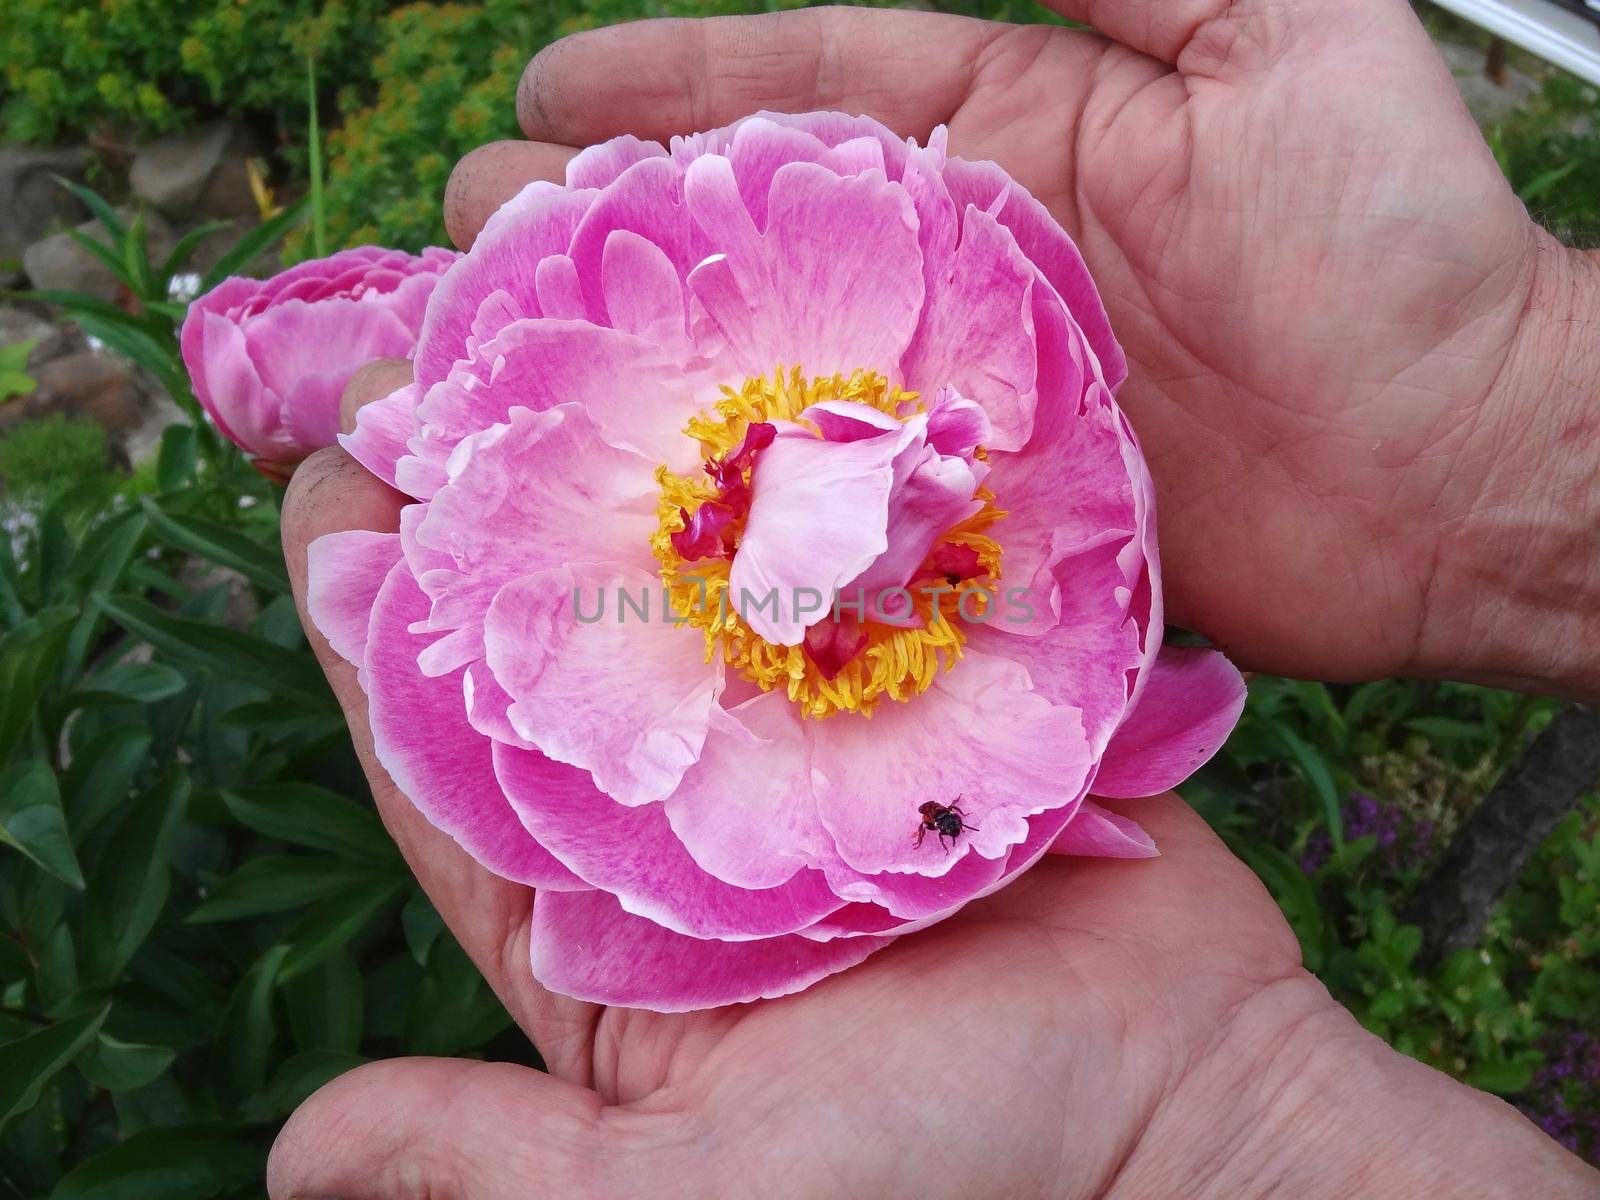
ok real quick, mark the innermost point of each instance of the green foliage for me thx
(69, 66)
(14, 377)
(43, 457)
(1550, 150)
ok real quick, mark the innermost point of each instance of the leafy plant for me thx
(14, 377)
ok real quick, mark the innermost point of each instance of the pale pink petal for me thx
(632, 854)
(537, 492)
(1191, 701)
(1048, 247)
(587, 947)
(644, 294)
(979, 738)
(537, 222)
(421, 737)
(818, 518)
(833, 285)
(382, 430)
(745, 809)
(345, 570)
(1085, 651)
(1097, 832)
(555, 279)
(599, 166)
(977, 333)
(600, 679)
(229, 386)
(647, 201)
(932, 492)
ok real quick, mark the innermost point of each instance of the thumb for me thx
(451, 1129)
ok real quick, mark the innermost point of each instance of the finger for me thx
(444, 1129)
(657, 78)
(331, 492)
(487, 177)
(1159, 28)
(371, 382)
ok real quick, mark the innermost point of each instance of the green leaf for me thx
(102, 771)
(254, 243)
(177, 458)
(101, 209)
(31, 820)
(122, 1066)
(29, 1064)
(327, 1005)
(194, 1162)
(334, 923)
(128, 888)
(422, 925)
(1316, 773)
(188, 244)
(221, 545)
(307, 815)
(279, 882)
(1502, 1078)
(298, 1077)
(134, 683)
(226, 652)
(248, 1030)
(28, 656)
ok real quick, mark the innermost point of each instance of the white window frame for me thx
(1555, 34)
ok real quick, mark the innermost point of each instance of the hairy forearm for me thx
(1515, 597)
(1295, 1099)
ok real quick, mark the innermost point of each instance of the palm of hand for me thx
(1317, 272)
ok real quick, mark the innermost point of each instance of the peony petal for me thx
(1047, 247)
(745, 810)
(621, 691)
(540, 491)
(1191, 701)
(633, 854)
(1097, 832)
(599, 166)
(344, 572)
(587, 947)
(818, 518)
(382, 430)
(643, 292)
(978, 737)
(537, 222)
(421, 737)
(977, 333)
(835, 283)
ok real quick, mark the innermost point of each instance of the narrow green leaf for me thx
(28, 656)
(221, 545)
(248, 1030)
(319, 235)
(227, 652)
(112, 260)
(29, 1064)
(31, 820)
(179, 256)
(178, 457)
(307, 815)
(298, 1077)
(193, 1162)
(129, 885)
(247, 248)
(122, 1066)
(334, 923)
(1316, 773)
(101, 209)
(102, 772)
(137, 683)
(279, 882)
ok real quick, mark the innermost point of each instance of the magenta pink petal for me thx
(345, 571)
(382, 430)
(599, 166)
(1098, 832)
(632, 854)
(1191, 701)
(586, 946)
(421, 737)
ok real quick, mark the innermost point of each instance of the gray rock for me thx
(30, 198)
(58, 263)
(1488, 102)
(205, 172)
(87, 384)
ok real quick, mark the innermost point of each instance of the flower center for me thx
(857, 653)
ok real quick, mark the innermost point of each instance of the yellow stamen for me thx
(897, 662)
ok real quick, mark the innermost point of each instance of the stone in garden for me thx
(32, 201)
(87, 384)
(204, 172)
(58, 263)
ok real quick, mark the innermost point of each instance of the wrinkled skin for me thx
(1320, 280)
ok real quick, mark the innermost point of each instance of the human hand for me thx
(1127, 1029)
(1356, 365)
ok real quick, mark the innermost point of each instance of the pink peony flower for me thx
(782, 574)
(270, 358)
